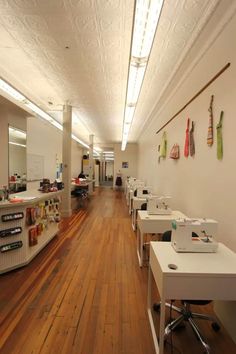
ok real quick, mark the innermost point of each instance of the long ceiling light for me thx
(12, 143)
(15, 94)
(4, 86)
(146, 17)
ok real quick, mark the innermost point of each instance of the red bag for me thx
(186, 145)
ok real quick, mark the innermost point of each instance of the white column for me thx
(66, 160)
(91, 163)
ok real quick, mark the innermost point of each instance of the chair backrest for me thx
(166, 236)
(144, 206)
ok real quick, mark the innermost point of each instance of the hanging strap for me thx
(220, 137)
(191, 141)
(186, 145)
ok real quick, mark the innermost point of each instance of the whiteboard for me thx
(35, 167)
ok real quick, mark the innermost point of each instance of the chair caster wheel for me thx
(156, 307)
(215, 326)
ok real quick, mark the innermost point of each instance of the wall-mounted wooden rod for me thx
(195, 96)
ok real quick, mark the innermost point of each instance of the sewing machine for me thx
(131, 180)
(136, 184)
(194, 235)
(143, 192)
(158, 205)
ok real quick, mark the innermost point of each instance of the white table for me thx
(137, 203)
(127, 194)
(153, 224)
(198, 276)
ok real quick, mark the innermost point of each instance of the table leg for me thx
(130, 205)
(140, 247)
(149, 309)
(133, 219)
(127, 199)
(162, 326)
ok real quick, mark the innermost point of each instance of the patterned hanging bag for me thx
(210, 125)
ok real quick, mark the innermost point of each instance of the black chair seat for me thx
(197, 302)
(144, 206)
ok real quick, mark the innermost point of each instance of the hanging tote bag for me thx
(210, 124)
(191, 141)
(219, 137)
(163, 146)
(186, 144)
(174, 152)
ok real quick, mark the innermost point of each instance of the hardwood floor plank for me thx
(85, 293)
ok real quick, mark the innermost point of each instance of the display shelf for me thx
(44, 209)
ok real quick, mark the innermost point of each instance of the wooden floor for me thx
(85, 293)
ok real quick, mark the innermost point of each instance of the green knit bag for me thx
(219, 137)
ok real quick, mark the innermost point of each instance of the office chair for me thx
(185, 312)
(144, 206)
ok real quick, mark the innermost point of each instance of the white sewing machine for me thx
(158, 205)
(143, 192)
(137, 184)
(183, 239)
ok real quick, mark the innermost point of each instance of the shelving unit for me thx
(16, 250)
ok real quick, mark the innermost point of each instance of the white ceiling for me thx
(92, 74)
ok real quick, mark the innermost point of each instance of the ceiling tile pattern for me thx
(92, 73)
(179, 26)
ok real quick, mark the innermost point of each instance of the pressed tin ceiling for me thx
(77, 51)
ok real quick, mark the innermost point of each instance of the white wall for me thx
(15, 117)
(130, 155)
(109, 168)
(201, 186)
(4, 147)
(17, 160)
(46, 140)
(76, 159)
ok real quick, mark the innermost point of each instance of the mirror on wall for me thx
(17, 160)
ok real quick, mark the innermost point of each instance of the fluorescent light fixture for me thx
(129, 112)
(4, 86)
(146, 17)
(126, 128)
(136, 75)
(123, 145)
(12, 143)
(109, 159)
(17, 133)
(147, 13)
(108, 152)
(79, 141)
(38, 111)
(57, 124)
